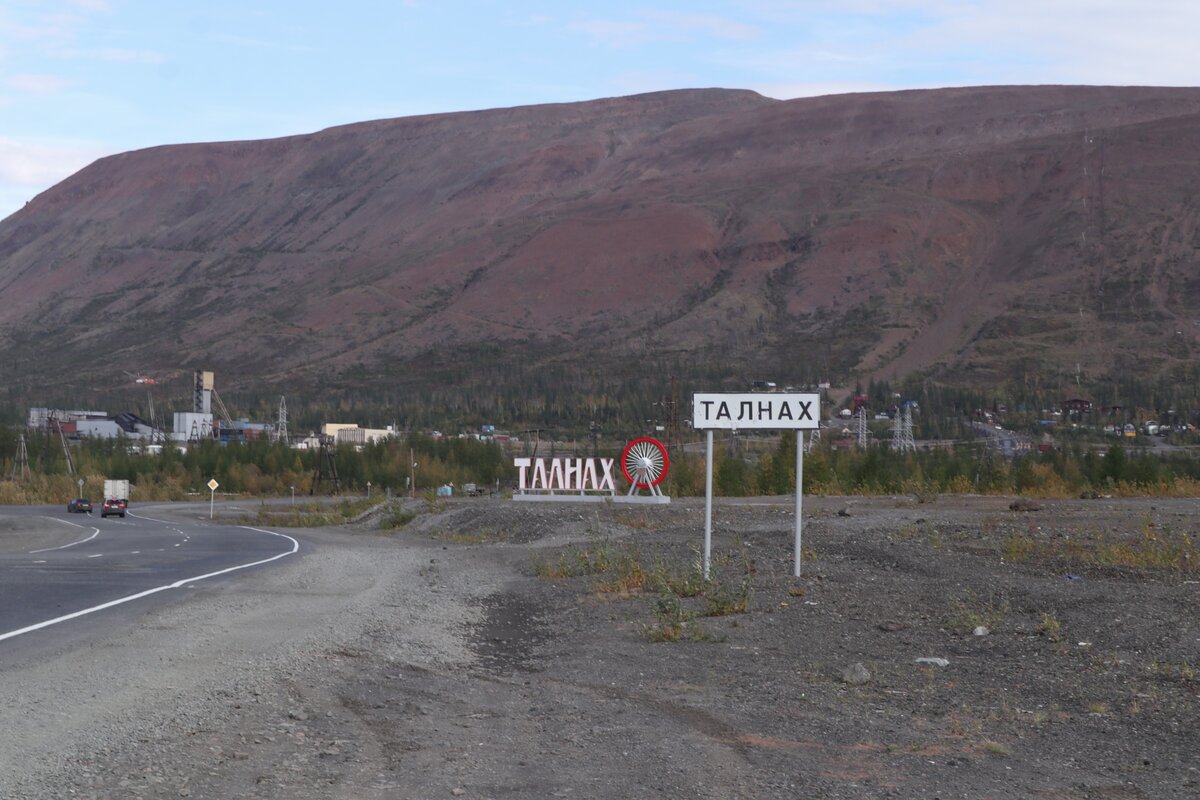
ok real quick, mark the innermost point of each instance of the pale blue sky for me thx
(80, 79)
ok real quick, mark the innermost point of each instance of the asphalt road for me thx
(112, 570)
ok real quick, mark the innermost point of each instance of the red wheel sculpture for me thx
(645, 462)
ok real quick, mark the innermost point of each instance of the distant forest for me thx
(263, 468)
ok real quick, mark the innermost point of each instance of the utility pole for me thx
(326, 467)
(62, 437)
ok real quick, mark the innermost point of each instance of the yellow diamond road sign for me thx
(212, 484)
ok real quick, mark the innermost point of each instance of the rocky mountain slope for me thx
(977, 234)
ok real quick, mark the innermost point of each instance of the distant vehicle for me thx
(117, 490)
(80, 505)
(113, 507)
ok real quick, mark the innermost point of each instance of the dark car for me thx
(80, 505)
(113, 508)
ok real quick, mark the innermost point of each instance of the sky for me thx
(81, 79)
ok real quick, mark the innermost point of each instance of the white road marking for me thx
(176, 585)
(95, 533)
(98, 555)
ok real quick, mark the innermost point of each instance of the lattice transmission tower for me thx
(862, 432)
(281, 428)
(20, 468)
(902, 430)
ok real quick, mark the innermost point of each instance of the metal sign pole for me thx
(799, 499)
(708, 481)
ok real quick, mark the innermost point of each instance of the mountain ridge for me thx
(948, 232)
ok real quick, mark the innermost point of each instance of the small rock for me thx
(1023, 504)
(891, 626)
(935, 660)
(458, 791)
(843, 512)
(856, 674)
(982, 631)
(300, 715)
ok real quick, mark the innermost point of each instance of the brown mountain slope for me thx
(978, 233)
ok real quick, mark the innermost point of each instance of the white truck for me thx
(116, 498)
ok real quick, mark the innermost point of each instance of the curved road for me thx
(117, 565)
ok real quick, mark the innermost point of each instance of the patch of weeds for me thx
(967, 613)
(1183, 671)
(348, 509)
(922, 530)
(1154, 548)
(597, 558)
(996, 749)
(624, 575)
(922, 491)
(396, 517)
(675, 623)
(1050, 627)
(1097, 708)
(687, 584)
(303, 515)
(1019, 548)
(723, 599)
(433, 503)
(638, 520)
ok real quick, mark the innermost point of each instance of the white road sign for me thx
(756, 411)
(212, 484)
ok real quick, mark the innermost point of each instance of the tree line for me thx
(420, 462)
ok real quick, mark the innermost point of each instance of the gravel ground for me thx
(493, 649)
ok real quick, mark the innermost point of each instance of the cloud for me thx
(238, 40)
(119, 55)
(708, 24)
(658, 26)
(37, 164)
(615, 34)
(789, 91)
(27, 168)
(942, 42)
(37, 84)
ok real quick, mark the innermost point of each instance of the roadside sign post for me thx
(81, 487)
(755, 411)
(212, 488)
(708, 479)
(799, 500)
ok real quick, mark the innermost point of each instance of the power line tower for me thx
(814, 436)
(902, 432)
(281, 428)
(20, 468)
(670, 410)
(326, 469)
(862, 432)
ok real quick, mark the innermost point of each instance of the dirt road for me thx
(957, 648)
